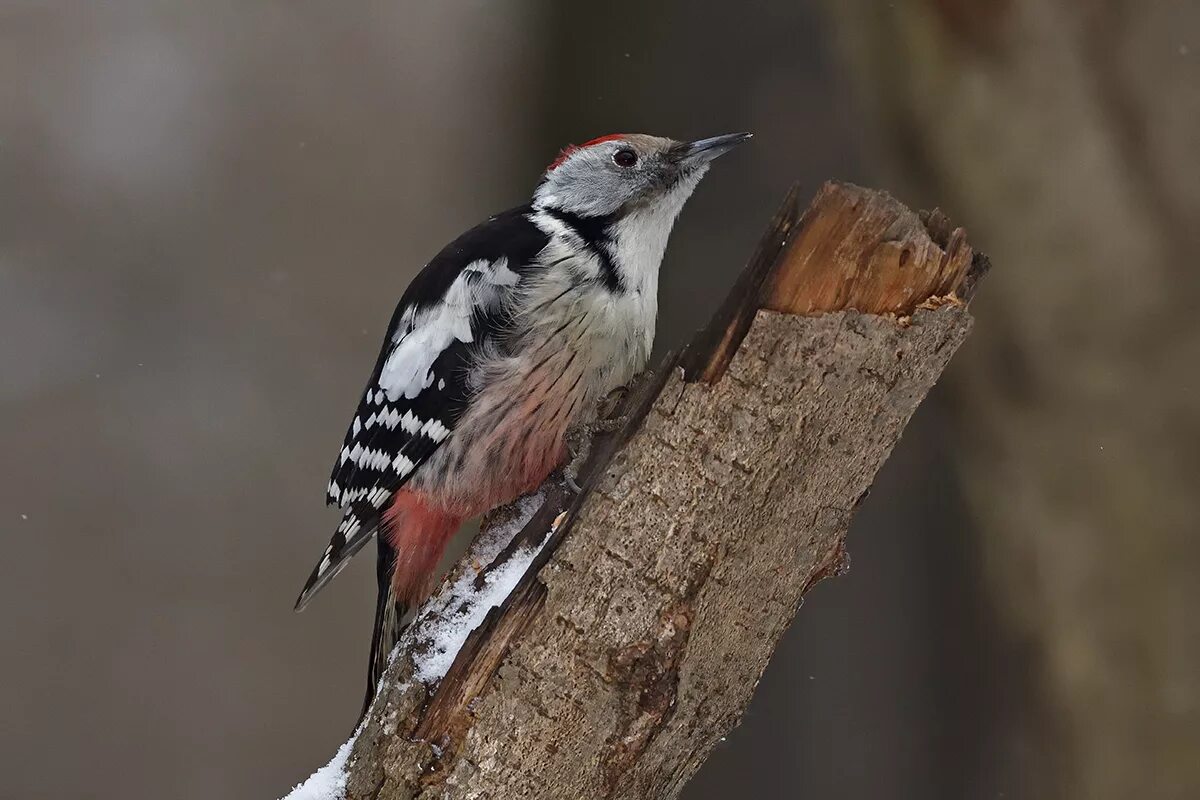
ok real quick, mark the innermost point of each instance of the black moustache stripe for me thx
(596, 234)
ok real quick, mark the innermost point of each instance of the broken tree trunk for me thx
(631, 622)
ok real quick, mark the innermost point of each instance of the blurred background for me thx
(208, 211)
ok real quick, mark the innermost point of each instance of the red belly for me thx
(418, 531)
(510, 440)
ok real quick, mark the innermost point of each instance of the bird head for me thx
(618, 174)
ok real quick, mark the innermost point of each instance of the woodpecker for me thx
(507, 338)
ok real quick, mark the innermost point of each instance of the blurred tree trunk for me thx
(1065, 136)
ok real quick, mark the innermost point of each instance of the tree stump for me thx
(599, 644)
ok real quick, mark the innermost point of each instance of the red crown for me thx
(565, 153)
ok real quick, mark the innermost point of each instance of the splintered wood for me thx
(863, 250)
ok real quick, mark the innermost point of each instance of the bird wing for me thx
(420, 385)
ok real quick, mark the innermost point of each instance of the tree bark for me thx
(1064, 134)
(648, 605)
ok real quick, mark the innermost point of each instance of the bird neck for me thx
(638, 241)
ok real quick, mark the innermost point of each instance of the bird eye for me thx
(625, 157)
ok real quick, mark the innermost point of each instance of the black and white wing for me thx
(419, 388)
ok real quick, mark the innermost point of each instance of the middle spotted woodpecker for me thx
(506, 339)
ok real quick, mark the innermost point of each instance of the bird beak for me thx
(703, 151)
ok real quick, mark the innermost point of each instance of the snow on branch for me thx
(443, 623)
(329, 782)
(447, 620)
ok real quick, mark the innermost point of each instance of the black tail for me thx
(362, 521)
(388, 615)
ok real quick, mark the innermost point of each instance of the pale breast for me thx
(510, 438)
(513, 434)
(576, 346)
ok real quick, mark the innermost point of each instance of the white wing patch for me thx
(422, 336)
(377, 446)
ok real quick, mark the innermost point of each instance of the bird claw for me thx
(610, 425)
(579, 445)
(569, 481)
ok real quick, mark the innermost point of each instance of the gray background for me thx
(207, 213)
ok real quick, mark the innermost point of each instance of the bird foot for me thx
(579, 446)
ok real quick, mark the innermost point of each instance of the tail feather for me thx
(411, 540)
(389, 613)
(356, 529)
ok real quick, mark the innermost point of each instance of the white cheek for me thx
(586, 185)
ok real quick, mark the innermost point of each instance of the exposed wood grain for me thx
(864, 250)
(852, 248)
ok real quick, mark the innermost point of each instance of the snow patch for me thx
(443, 626)
(447, 637)
(461, 609)
(329, 782)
